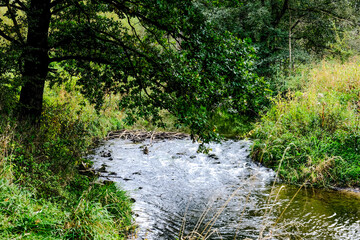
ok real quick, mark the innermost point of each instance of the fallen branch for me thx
(140, 136)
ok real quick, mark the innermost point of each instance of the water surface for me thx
(222, 195)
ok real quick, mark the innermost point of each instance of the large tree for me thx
(158, 54)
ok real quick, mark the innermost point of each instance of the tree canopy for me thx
(289, 31)
(159, 55)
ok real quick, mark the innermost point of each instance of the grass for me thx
(318, 125)
(42, 194)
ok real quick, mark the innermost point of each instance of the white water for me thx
(173, 185)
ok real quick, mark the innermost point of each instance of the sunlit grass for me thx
(321, 125)
(333, 76)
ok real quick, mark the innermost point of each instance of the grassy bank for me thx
(42, 194)
(312, 133)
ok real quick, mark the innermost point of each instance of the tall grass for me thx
(42, 194)
(320, 126)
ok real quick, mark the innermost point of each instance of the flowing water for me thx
(180, 193)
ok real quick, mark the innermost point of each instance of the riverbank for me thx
(311, 134)
(180, 192)
(42, 193)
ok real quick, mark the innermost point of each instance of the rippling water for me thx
(222, 195)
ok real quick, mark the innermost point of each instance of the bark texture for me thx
(36, 59)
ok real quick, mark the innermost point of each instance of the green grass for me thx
(42, 194)
(316, 131)
(22, 215)
(102, 212)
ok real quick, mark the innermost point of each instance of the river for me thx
(182, 194)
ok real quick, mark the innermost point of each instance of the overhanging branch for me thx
(7, 37)
(16, 25)
(123, 8)
(80, 58)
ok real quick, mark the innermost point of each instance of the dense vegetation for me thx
(312, 134)
(289, 33)
(70, 71)
(159, 55)
(42, 194)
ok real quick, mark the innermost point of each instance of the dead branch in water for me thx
(140, 136)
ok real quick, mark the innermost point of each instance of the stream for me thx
(182, 194)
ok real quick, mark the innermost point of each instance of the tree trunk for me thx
(290, 47)
(36, 59)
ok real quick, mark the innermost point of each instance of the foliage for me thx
(316, 131)
(22, 215)
(42, 194)
(204, 85)
(232, 125)
(314, 28)
(159, 55)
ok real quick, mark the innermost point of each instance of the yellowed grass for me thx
(333, 76)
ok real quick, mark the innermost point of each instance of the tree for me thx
(160, 54)
(287, 31)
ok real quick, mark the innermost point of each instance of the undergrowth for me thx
(316, 128)
(42, 194)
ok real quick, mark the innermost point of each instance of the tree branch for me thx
(125, 9)
(118, 42)
(295, 24)
(22, 5)
(55, 11)
(12, 5)
(56, 2)
(133, 29)
(328, 12)
(7, 37)
(80, 58)
(281, 13)
(16, 25)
